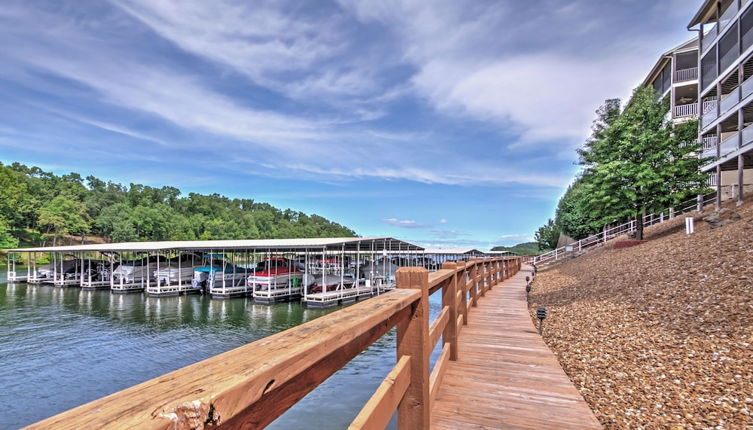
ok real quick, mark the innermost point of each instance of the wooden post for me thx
(474, 282)
(481, 278)
(462, 286)
(449, 298)
(413, 340)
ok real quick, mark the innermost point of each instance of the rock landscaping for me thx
(659, 335)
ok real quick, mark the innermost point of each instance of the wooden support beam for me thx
(377, 412)
(413, 340)
(474, 283)
(462, 284)
(449, 301)
(438, 326)
(438, 372)
(459, 324)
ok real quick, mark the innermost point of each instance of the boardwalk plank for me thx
(506, 377)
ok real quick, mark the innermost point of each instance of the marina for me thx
(319, 273)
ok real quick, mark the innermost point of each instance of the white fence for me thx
(611, 232)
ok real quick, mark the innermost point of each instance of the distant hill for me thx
(526, 248)
(38, 207)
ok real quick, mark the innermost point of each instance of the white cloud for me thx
(443, 221)
(403, 223)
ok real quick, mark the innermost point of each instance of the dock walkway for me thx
(505, 376)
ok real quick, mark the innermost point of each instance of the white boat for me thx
(173, 271)
(48, 272)
(274, 273)
(382, 269)
(332, 282)
(209, 278)
(136, 270)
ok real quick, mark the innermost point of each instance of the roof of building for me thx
(500, 253)
(456, 251)
(347, 243)
(704, 12)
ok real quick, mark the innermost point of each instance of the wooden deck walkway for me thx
(505, 376)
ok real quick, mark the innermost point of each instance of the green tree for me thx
(638, 163)
(547, 236)
(572, 215)
(61, 216)
(6, 239)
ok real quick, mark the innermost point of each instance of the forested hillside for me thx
(39, 207)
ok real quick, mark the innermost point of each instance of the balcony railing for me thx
(729, 101)
(728, 145)
(685, 75)
(748, 135)
(682, 111)
(710, 112)
(709, 147)
(748, 87)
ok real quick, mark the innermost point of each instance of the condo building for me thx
(675, 76)
(725, 97)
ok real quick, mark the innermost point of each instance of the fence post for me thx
(498, 271)
(482, 278)
(474, 283)
(671, 213)
(449, 298)
(413, 340)
(699, 203)
(463, 286)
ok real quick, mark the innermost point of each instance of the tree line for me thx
(38, 207)
(634, 163)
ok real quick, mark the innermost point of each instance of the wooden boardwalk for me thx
(505, 376)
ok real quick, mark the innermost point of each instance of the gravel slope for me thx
(659, 335)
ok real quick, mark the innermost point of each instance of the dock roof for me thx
(348, 243)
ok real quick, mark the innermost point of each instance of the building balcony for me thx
(729, 101)
(713, 109)
(729, 144)
(687, 110)
(709, 147)
(686, 75)
(711, 37)
(710, 112)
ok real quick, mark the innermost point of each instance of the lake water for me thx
(64, 347)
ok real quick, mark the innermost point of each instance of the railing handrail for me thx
(627, 227)
(689, 74)
(250, 386)
(688, 109)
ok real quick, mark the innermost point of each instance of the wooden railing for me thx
(250, 386)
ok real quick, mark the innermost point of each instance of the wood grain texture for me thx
(505, 376)
(438, 326)
(232, 382)
(413, 340)
(450, 302)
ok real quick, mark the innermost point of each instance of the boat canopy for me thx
(349, 244)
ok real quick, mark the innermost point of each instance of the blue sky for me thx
(445, 123)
